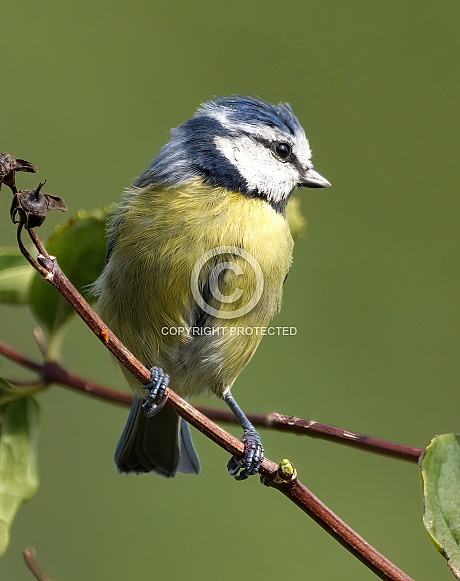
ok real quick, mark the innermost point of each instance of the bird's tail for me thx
(161, 444)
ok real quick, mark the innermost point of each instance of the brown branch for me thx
(12, 354)
(53, 373)
(268, 470)
(342, 533)
(31, 562)
(322, 431)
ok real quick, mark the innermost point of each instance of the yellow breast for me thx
(165, 273)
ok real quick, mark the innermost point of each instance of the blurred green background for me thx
(89, 91)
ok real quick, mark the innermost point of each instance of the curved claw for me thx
(253, 457)
(157, 385)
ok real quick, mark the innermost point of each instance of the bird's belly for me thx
(195, 286)
(221, 348)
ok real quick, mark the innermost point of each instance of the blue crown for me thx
(191, 152)
(251, 111)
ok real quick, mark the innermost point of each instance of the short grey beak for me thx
(312, 179)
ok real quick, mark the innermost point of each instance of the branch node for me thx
(286, 474)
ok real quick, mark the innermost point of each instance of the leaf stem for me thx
(31, 562)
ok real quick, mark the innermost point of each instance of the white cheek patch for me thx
(259, 167)
(302, 150)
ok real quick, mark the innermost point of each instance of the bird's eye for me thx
(282, 150)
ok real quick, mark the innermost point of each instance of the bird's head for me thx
(241, 144)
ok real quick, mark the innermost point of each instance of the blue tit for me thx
(199, 249)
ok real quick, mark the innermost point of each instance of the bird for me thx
(199, 249)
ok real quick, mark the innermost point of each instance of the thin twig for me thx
(13, 355)
(342, 533)
(268, 470)
(53, 373)
(314, 429)
(31, 562)
(30, 259)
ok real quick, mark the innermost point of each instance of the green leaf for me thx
(7, 392)
(441, 479)
(10, 392)
(15, 277)
(79, 245)
(18, 462)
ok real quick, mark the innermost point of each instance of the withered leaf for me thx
(30, 207)
(9, 165)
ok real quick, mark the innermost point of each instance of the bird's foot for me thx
(253, 457)
(157, 385)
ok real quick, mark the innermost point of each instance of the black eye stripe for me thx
(291, 158)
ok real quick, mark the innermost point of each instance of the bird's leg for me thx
(250, 463)
(157, 385)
